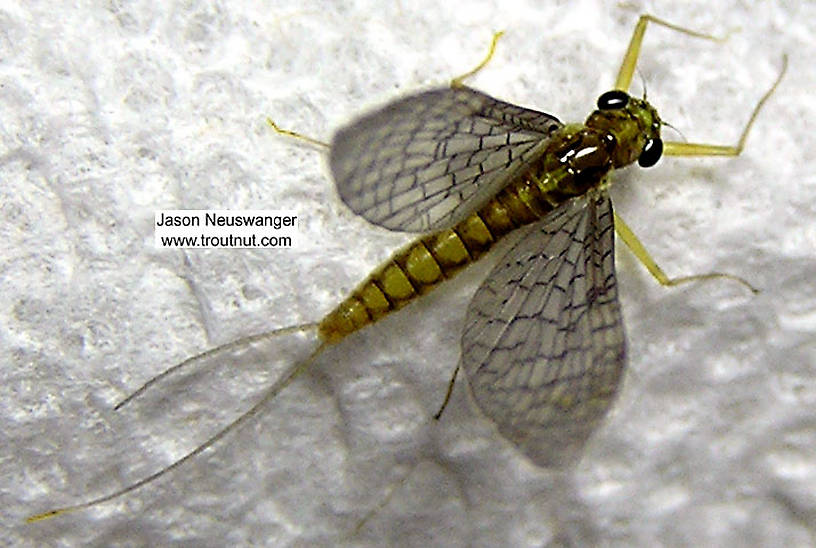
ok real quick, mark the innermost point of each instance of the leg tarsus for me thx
(633, 51)
(672, 148)
(448, 393)
(633, 243)
(458, 81)
(295, 135)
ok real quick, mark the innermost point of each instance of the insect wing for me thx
(427, 161)
(543, 346)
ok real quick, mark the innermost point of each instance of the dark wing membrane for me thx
(427, 161)
(543, 347)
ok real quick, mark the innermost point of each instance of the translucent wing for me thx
(426, 161)
(543, 346)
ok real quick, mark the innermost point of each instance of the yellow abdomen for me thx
(431, 259)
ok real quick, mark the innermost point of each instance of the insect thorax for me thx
(579, 156)
(577, 159)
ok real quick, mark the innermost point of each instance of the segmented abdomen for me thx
(424, 263)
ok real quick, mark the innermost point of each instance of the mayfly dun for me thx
(543, 347)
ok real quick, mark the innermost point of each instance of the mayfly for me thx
(543, 348)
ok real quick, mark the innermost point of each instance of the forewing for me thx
(543, 347)
(427, 161)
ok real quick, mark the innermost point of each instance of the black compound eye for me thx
(613, 100)
(651, 153)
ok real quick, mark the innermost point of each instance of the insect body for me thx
(512, 165)
(543, 346)
(528, 166)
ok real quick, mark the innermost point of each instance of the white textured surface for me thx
(108, 112)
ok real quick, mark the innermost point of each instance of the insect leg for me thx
(448, 393)
(671, 148)
(630, 59)
(633, 243)
(295, 135)
(457, 82)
